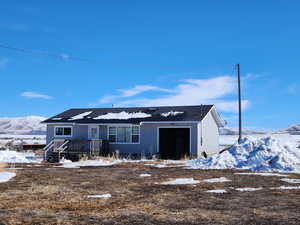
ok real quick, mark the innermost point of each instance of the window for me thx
(63, 131)
(94, 134)
(124, 134)
(112, 137)
(135, 134)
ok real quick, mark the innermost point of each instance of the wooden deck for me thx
(75, 149)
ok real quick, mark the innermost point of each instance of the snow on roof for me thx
(56, 118)
(122, 116)
(171, 113)
(81, 115)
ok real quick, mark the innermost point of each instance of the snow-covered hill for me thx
(293, 129)
(234, 131)
(22, 125)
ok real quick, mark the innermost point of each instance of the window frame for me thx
(62, 136)
(116, 134)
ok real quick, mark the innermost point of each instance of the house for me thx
(171, 132)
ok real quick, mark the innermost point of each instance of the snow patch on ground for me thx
(16, 139)
(219, 191)
(68, 164)
(287, 188)
(145, 175)
(171, 113)
(6, 176)
(81, 115)
(216, 180)
(259, 154)
(17, 157)
(181, 181)
(291, 181)
(265, 174)
(100, 196)
(122, 116)
(248, 189)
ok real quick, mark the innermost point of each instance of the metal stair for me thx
(55, 150)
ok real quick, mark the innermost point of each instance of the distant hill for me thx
(234, 131)
(22, 125)
(293, 129)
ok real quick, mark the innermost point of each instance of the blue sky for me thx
(152, 53)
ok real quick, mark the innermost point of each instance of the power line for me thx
(45, 53)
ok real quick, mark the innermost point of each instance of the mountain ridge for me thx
(22, 125)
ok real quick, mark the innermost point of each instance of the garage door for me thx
(174, 143)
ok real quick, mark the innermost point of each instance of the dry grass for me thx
(51, 195)
(3, 166)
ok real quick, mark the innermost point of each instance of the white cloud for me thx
(29, 94)
(136, 90)
(189, 92)
(251, 76)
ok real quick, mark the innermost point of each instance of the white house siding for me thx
(210, 135)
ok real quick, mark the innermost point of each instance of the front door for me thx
(93, 133)
(94, 140)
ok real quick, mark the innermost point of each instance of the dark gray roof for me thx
(188, 113)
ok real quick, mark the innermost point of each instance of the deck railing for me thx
(89, 147)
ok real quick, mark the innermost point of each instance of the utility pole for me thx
(240, 102)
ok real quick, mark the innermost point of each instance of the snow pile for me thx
(6, 176)
(260, 154)
(81, 115)
(122, 116)
(17, 157)
(171, 113)
(22, 125)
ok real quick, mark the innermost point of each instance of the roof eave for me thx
(220, 122)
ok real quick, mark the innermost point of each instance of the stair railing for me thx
(62, 148)
(49, 146)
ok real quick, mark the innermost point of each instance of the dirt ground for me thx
(43, 194)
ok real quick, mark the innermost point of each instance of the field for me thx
(44, 194)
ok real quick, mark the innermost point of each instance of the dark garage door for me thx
(174, 143)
